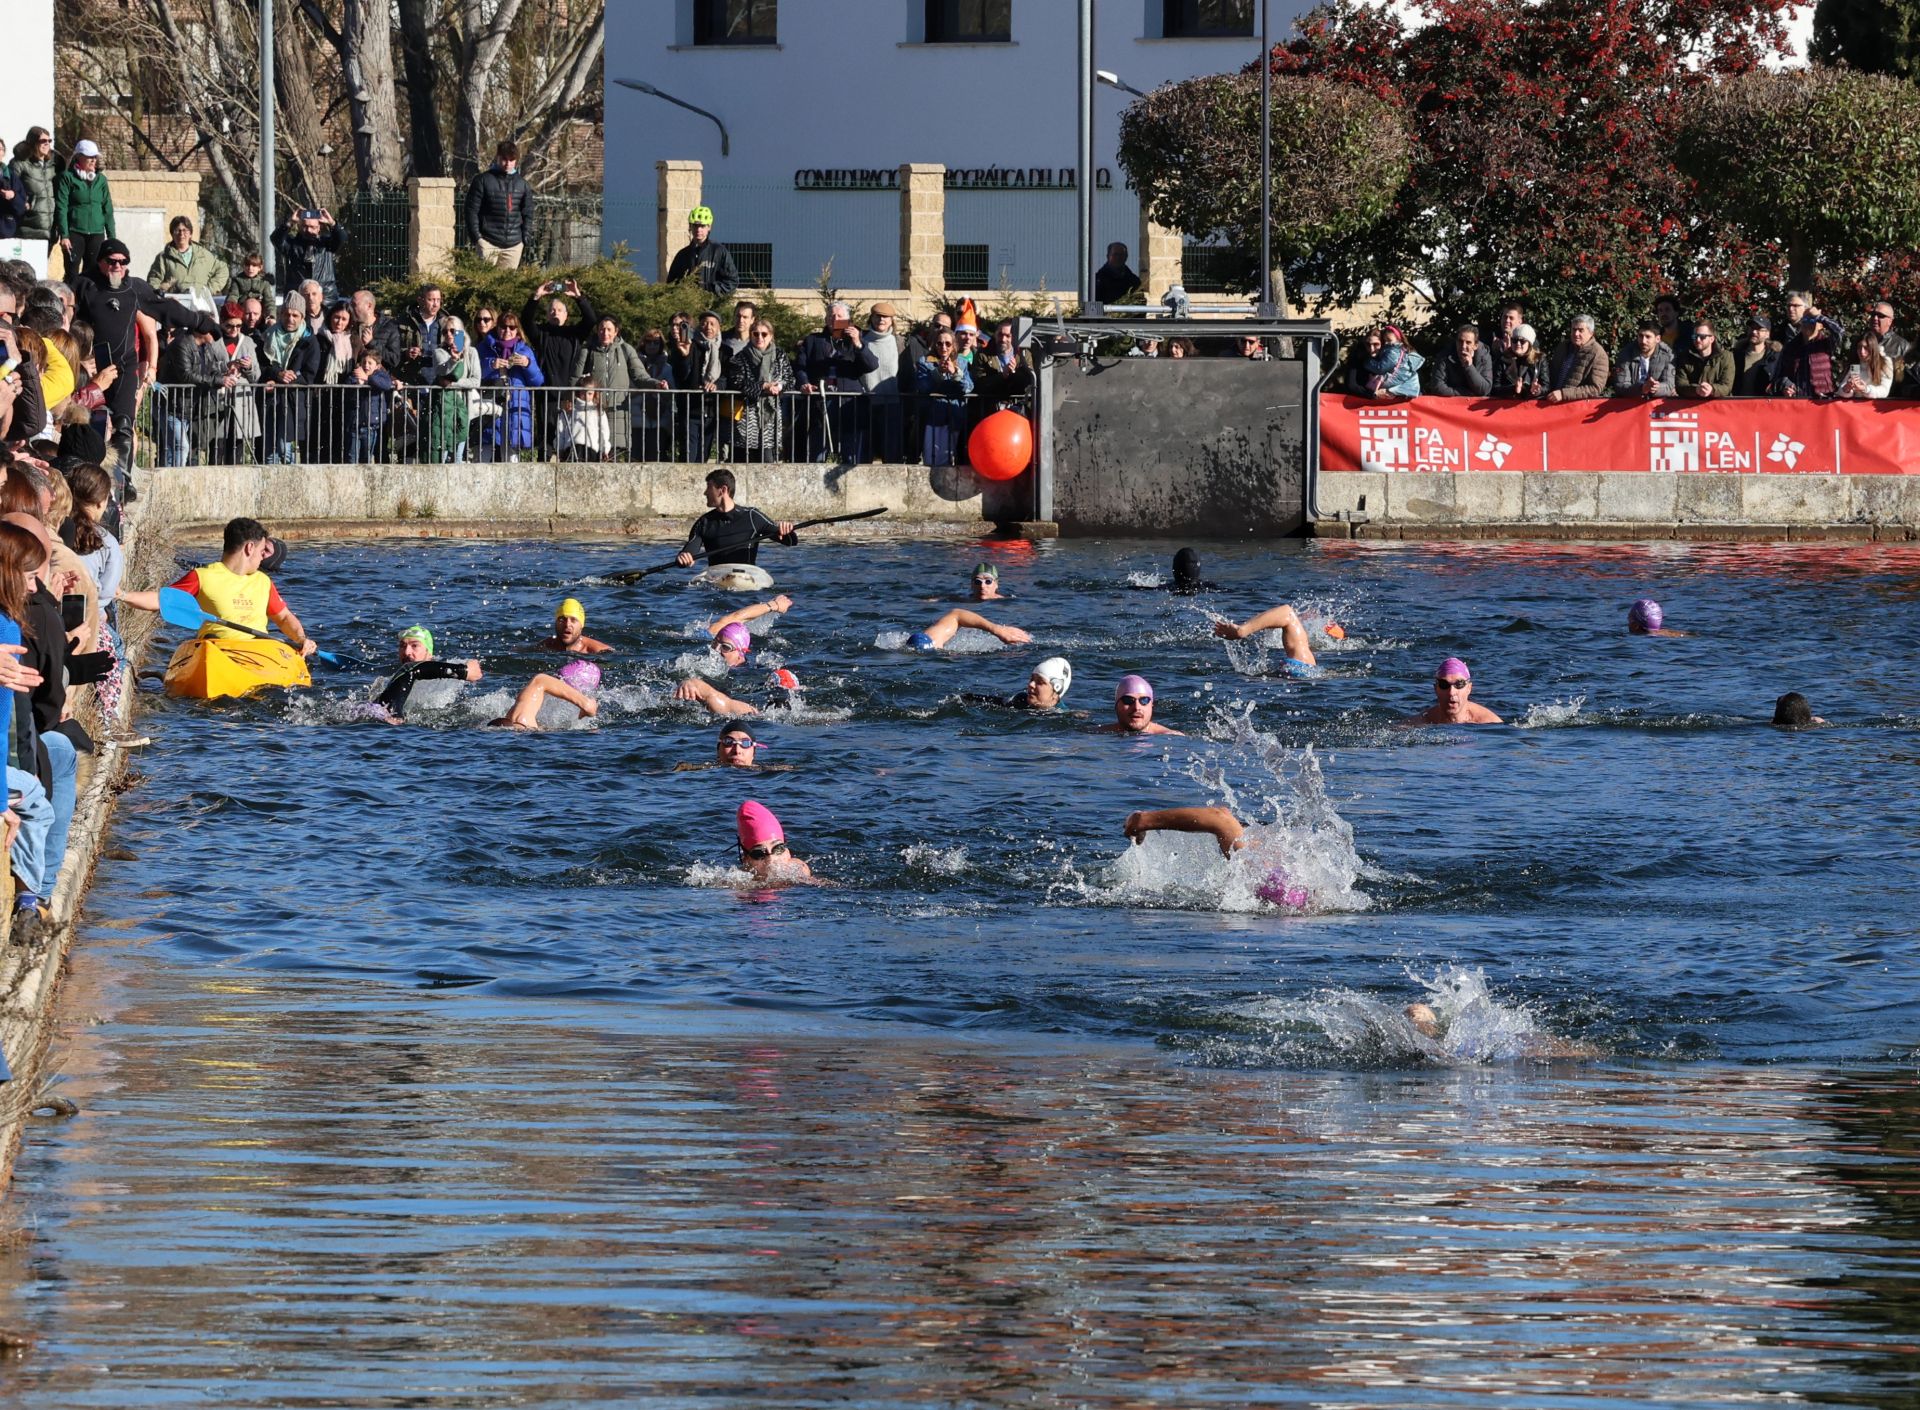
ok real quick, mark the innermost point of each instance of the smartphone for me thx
(9, 367)
(73, 611)
(309, 215)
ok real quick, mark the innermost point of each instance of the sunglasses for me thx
(735, 742)
(115, 263)
(1701, 337)
(1135, 700)
(1451, 684)
(484, 318)
(760, 854)
(984, 580)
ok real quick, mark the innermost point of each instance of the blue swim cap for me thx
(919, 641)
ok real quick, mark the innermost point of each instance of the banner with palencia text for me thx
(1776, 436)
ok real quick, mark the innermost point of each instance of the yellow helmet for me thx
(700, 215)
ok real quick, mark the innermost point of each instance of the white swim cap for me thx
(1055, 672)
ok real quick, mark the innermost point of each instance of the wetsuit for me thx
(1017, 701)
(394, 698)
(732, 537)
(111, 311)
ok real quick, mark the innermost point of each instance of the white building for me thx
(823, 100)
(26, 99)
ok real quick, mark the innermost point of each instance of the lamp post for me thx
(648, 88)
(267, 219)
(1113, 80)
(1083, 158)
(1267, 307)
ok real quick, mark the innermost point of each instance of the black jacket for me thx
(304, 257)
(1753, 369)
(557, 350)
(823, 356)
(1447, 378)
(110, 312)
(711, 263)
(499, 207)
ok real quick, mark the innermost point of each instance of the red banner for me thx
(1733, 437)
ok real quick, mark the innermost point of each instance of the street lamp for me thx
(1267, 307)
(268, 219)
(640, 87)
(1113, 80)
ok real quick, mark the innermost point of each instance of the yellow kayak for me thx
(205, 669)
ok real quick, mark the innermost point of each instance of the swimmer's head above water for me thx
(1644, 616)
(1049, 682)
(763, 844)
(1133, 702)
(986, 582)
(733, 642)
(416, 644)
(1186, 571)
(783, 690)
(569, 621)
(583, 676)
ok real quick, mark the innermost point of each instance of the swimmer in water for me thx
(1186, 575)
(1045, 688)
(779, 604)
(1794, 711)
(573, 684)
(569, 631)
(763, 846)
(1276, 888)
(941, 632)
(1452, 702)
(735, 749)
(783, 694)
(986, 584)
(1644, 619)
(1293, 634)
(1133, 709)
(417, 664)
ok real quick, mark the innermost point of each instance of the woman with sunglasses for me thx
(763, 846)
(1452, 702)
(35, 176)
(507, 360)
(761, 374)
(1133, 709)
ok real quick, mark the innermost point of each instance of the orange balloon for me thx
(1001, 445)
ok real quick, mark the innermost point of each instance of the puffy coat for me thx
(1449, 378)
(499, 207)
(82, 207)
(196, 267)
(1692, 367)
(1585, 370)
(38, 181)
(304, 257)
(711, 263)
(1629, 376)
(517, 424)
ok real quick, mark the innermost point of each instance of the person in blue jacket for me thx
(507, 360)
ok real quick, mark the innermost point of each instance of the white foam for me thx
(1555, 712)
(924, 856)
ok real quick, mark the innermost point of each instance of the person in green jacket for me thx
(83, 209)
(1704, 369)
(252, 282)
(36, 172)
(182, 265)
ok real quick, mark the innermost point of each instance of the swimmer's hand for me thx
(1136, 828)
(1229, 630)
(1013, 636)
(473, 670)
(590, 707)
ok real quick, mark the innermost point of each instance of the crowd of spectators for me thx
(1664, 355)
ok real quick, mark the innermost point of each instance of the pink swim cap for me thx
(1452, 666)
(1645, 616)
(736, 635)
(581, 675)
(1133, 685)
(757, 825)
(1278, 890)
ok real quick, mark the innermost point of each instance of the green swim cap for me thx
(986, 570)
(421, 635)
(700, 215)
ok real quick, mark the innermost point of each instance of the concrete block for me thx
(1634, 497)
(1707, 499)
(306, 492)
(1560, 497)
(1793, 499)
(1345, 489)
(1487, 497)
(1420, 498)
(1884, 499)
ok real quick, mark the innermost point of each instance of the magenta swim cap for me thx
(1452, 666)
(1645, 616)
(736, 635)
(581, 675)
(1278, 890)
(1133, 685)
(757, 825)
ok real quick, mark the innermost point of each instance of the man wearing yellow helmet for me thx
(705, 259)
(569, 631)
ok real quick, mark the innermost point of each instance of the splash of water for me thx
(924, 856)
(1552, 714)
(968, 641)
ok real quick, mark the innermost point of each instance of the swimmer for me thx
(1452, 702)
(941, 632)
(783, 693)
(1428, 1024)
(779, 604)
(763, 846)
(1794, 711)
(1293, 633)
(1644, 619)
(1276, 888)
(573, 685)
(417, 664)
(735, 749)
(569, 631)
(1045, 687)
(1133, 709)
(1186, 575)
(986, 584)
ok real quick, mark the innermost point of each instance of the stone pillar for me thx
(432, 224)
(677, 185)
(144, 203)
(923, 234)
(1159, 266)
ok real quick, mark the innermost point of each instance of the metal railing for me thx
(356, 423)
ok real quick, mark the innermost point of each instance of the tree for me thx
(1192, 150)
(1542, 164)
(1873, 36)
(363, 38)
(1827, 159)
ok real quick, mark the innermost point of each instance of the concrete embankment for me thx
(1627, 505)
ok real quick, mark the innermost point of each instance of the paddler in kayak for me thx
(417, 664)
(238, 588)
(570, 631)
(729, 532)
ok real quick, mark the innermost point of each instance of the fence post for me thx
(923, 233)
(678, 188)
(1160, 250)
(432, 224)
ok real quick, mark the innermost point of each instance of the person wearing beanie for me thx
(417, 663)
(569, 631)
(1452, 699)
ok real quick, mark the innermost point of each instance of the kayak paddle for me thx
(178, 609)
(634, 575)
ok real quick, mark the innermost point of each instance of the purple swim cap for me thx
(1278, 890)
(1452, 666)
(1645, 616)
(736, 635)
(1133, 685)
(581, 675)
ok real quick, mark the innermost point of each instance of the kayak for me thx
(736, 577)
(205, 669)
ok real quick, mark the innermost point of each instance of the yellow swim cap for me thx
(571, 608)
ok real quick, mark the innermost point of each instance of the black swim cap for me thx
(276, 555)
(1186, 566)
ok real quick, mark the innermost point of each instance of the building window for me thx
(1208, 19)
(736, 21)
(969, 21)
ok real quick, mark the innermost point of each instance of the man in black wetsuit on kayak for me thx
(729, 532)
(417, 664)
